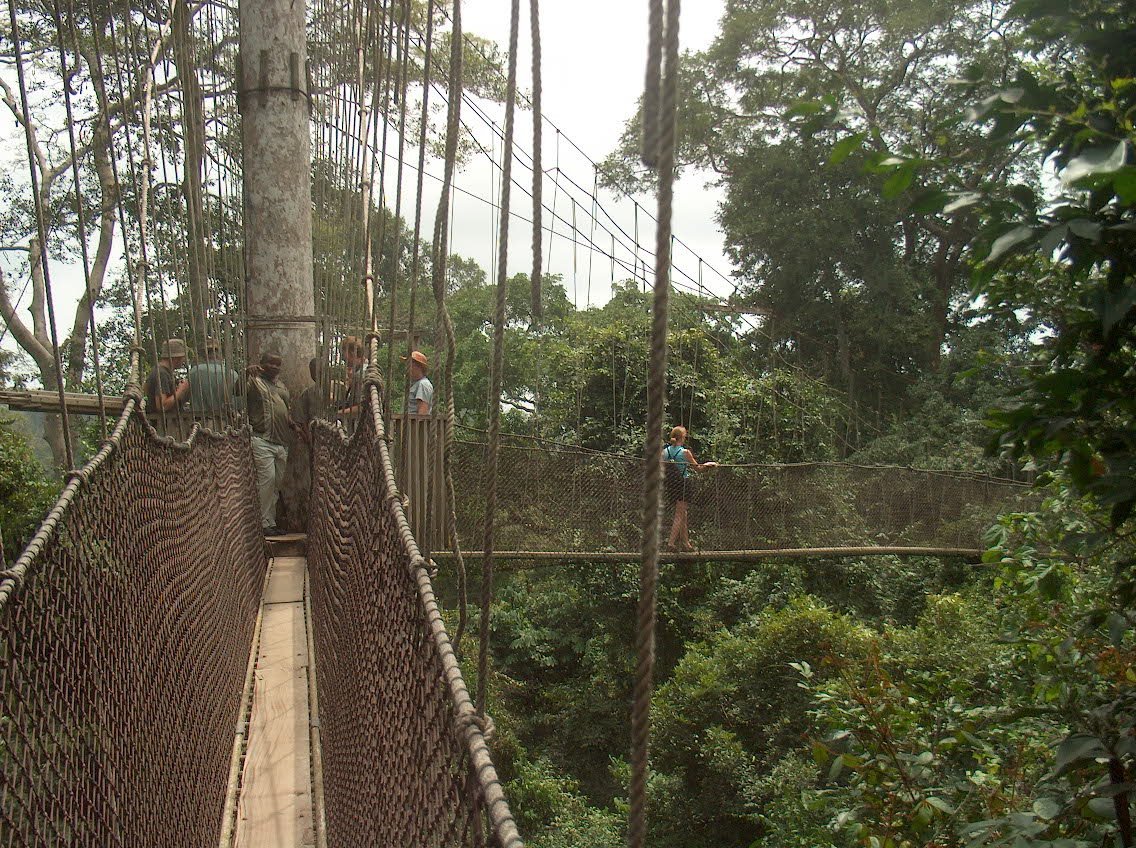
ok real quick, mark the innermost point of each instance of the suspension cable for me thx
(659, 150)
(41, 228)
(498, 365)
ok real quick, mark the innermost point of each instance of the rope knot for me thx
(428, 565)
(373, 376)
(481, 721)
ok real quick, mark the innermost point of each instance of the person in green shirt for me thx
(213, 388)
(677, 486)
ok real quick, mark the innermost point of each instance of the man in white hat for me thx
(165, 396)
(420, 395)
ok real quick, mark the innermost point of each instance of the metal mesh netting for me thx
(557, 498)
(126, 630)
(403, 763)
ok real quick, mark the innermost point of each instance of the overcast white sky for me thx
(594, 53)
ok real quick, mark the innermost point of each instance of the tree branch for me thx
(21, 332)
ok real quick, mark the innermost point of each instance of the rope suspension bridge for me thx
(166, 680)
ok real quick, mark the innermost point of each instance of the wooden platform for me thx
(275, 807)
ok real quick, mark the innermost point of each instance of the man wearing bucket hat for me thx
(420, 395)
(165, 396)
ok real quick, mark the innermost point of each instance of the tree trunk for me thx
(944, 273)
(81, 325)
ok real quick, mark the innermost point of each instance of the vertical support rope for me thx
(80, 213)
(660, 149)
(41, 229)
(498, 363)
(441, 240)
(538, 173)
(396, 263)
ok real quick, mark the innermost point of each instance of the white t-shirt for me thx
(420, 389)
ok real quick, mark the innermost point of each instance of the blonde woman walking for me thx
(679, 465)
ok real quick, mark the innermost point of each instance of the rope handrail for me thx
(371, 585)
(133, 606)
(568, 447)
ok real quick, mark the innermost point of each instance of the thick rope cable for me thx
(416, 254)
(659, 146)
(396, 263)
(538, 174)
(80, 211)
(498, 365)
(440, 255)
(380, 235)
(41, 229)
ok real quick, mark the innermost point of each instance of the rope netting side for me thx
(567, 499)
(404, 757)
(125, 628)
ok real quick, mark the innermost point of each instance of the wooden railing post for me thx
(423, 488)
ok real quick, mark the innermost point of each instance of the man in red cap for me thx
(420, 395)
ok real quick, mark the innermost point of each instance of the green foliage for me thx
(863, 286)
(25, 493)
(730, 707)
(1064, 264)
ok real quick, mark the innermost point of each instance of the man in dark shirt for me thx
(166, 398)
(311, 405)
(267, 400)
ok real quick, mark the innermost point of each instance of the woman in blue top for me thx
(677, 488)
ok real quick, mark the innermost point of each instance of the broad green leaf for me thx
(1078, 748)
(898, 182)
(1124, 184)
(940, 805)
(1099, 159)
(845, 148)
(1086, 229)
(1104, 808)
(1051, 240)
(962, 201)
(1113, 303)
(1046, 808)
(929, 201)
(1008, 241)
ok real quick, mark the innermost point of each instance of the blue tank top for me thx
(677, 455)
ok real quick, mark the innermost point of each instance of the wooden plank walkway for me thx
(275, 807)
